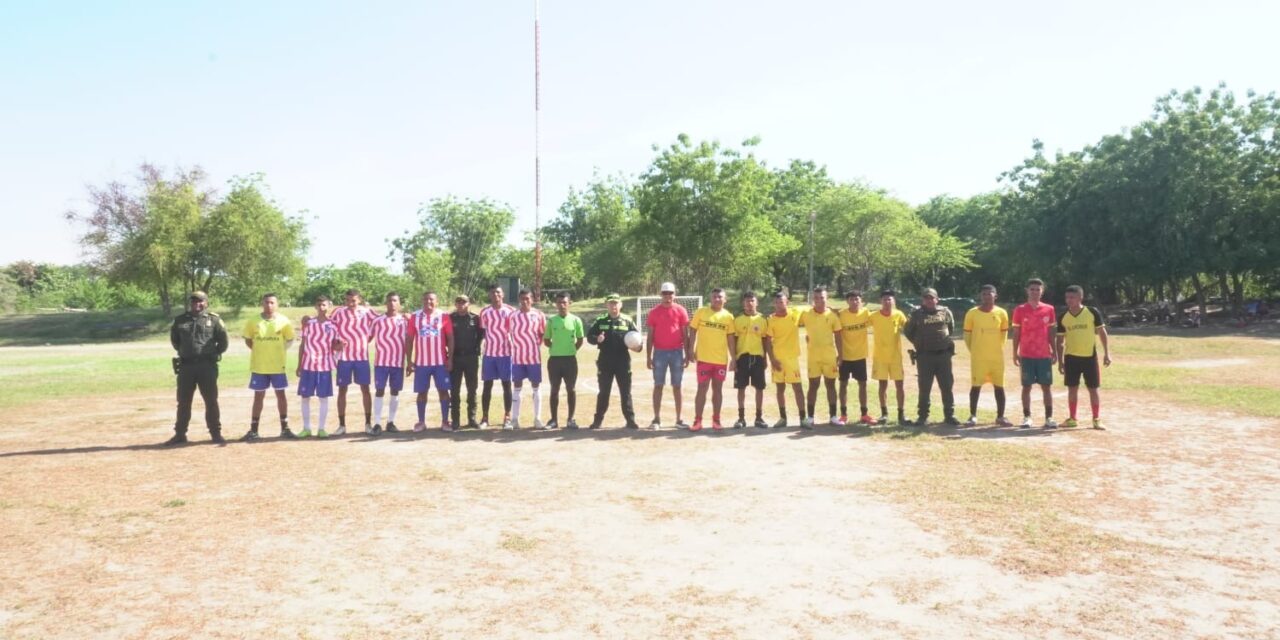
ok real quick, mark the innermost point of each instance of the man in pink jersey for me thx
(528, 326)
(668, 325)
(495, 321)
(1033, 350)
(315, 364)
(429, 347)
(389, 333)
(354, 321)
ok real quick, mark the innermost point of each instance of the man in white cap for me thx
(668, 325)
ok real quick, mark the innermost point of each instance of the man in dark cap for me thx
(930, 329)
(200, 339)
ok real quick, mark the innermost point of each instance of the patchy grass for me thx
(517, 543)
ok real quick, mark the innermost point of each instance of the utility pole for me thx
(537, 157)
(813, 218)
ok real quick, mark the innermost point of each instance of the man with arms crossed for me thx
(886, 358)
(782, 345)
(1034, 351)
(268, 337)
(668, 325)
(750, 329)
(854, 322)
(564, 337)
(467, 337)
(1079, 330)
(354, 321)
(713, 341)
(388, 333)
(985, 329)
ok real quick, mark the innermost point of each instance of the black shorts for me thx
(749, 370)
(563, 369)
(856, 369)
(1076, 366)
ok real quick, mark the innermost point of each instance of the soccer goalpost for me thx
(645, 304)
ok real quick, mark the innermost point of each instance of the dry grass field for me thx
(1166, 525)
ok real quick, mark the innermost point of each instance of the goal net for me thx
(645, 304)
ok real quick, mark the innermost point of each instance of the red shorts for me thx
(708, 371)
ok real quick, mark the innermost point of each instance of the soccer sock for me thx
(486, 396)
(1096, 408)
(324, 413)
(884, 410)
(306, 414)
(537, 402)
(284, 422)
(811, 407)
(1000, 402)
(377, 409)
(422, 411)
(1026, 411)
(1071, 406)
(974, 392)
(391, 408)
(572, 398)
(514, 409)
(342, 420)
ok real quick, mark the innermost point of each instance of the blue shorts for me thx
(422, 377)
(315, 383)
(530, 372)
(394, 375)
(1037, 371)
(260, 381)
(347, 369)
(495, 368)
(665, 360)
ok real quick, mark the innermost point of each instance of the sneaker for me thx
(1026, 423)
(655, 425)
(971, 422)
(484, 424)
(761, 424)
(780, 424)
(835, 421)
(1002, 421)
(740, 424)
(571, 424)
(806, 423)
(868, 420)
(419, 427)
(446, 426)
(340, 431)
(715, 425)
(391, 428)
(177, 439)
(551, 425)
(632, 425)
(515, 423)
(251, 436)
(217, 438)
(305, 433)
(681, 424)
(841, 421)
(509, 424)
(696, 426)
(376, 430)
(1097, 424)
(371, 429)
(286, 434)
(1070, 423)
(884, 419)
(322, 434)
(1050, 423)
(537, 424)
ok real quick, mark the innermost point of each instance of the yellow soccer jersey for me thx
(1081, 331)
(784, 333)
(269, 338)
(713, 330)
(985, 333)
(853, 333)
(886, 334)
(822, 329)
(750, 331)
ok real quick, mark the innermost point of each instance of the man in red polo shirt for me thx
(668, 325)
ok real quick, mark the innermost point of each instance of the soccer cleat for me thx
(305, 433)
(806, 423)
(508, 424)
(696, 426)
(1002, 421)
(177, 439)
(884, 419)
(515, 423)
(1097, 424)
(971, 422)
(1026, 423)
(391, 428)
(1070, 423)
(740, 424)
(551, 425)
(322, 434)
(340, 431)
(419, 427)
(780, 424)
(571, 424)
(217, 438)
(835, 421)
(655, 425)
(484, 424)
(868, 420)
(471, 424)
(951, 421)
(904, 422)
(1050, 423)
(250, 436)
(446, 426)
(371, 429)
(715, 426)
(841, 421)
(761, 424)
(286, 434)
(681, 424)
(375, 430)
(537, 424)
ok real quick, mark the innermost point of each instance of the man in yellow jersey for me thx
(822, 327)
(782, 345)
(1079, 330)
(268, 336)
(886, 357)
(750, 328)
(854, 321)
(713, 341)
(986, 327)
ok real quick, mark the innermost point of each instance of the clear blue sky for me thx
(359, 114)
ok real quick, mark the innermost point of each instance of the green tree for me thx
(251, 244)
(471, 231)
(598, 225)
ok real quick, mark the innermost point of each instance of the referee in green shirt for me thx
(564, 337)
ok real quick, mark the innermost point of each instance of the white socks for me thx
(537, 401)
(377, 409)
(324, 412)
(515, 404)
(306, 414)
(391, 410)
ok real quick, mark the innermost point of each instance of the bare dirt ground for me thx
(1164, 526)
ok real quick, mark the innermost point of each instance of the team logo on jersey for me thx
(429, 327)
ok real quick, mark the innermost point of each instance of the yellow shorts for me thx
(824, 365)
(789, 374)
(886, 369)
(984, 371)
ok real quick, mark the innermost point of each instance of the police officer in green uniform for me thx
(200, 339)
(929, 329)
(614, 361)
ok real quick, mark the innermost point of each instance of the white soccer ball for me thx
(633, 340)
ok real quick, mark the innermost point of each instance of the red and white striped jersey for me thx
(317, 345)
(354, 328)
(497, 327)
(527, 330)
(388, 340)
(429, 333)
